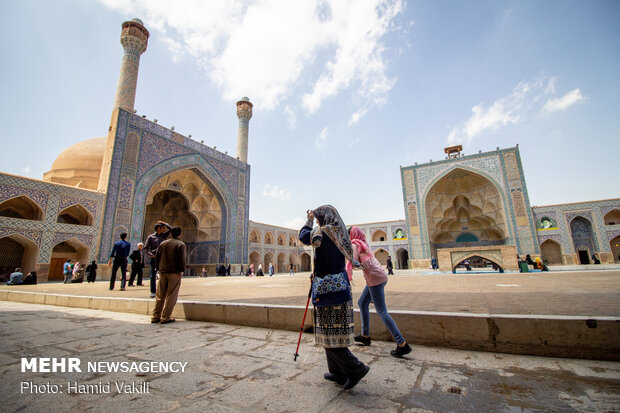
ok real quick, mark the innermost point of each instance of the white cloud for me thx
(357, 116)
(274, 191)
(563, 102)
(321, 141)
(521, 104)
(261, 48)
(291, 117)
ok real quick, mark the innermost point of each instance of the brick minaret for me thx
(134, 38)
(244, 113)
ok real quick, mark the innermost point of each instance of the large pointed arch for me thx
(75, 214)
(18, 251)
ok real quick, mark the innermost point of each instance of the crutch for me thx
(301, 329)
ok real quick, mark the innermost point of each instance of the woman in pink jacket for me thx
(376, 278)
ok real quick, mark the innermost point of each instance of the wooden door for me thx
(55, 273)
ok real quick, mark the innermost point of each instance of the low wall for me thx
(555, 336)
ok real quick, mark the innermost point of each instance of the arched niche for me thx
(583, 238)
(612, 217)
(381, 255)
(281, 240)
(304, 262)
(72, 249)
(268, 259)
(379, 236)
(17, 251)
(614, 245)
(281, 267)
(76, 215)
(255, 260)
(21, 207)
(479, 260)
(464, 207)
(292, 241)
(551, 252)
(269, 238)
(254, 237)
(402, 259)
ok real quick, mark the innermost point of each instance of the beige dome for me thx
(79, 165)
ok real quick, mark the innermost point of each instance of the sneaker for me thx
(122, 289)
(401, 351)
(351, 382)
(337, 379)
(364, 340)
(152, 295)
(168, 321)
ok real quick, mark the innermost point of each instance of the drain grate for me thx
(455, 390)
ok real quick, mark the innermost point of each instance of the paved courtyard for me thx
(241, 369)
(579, 293)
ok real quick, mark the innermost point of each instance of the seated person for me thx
(30, 279)
(16, 277)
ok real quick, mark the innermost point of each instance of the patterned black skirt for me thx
(334, 325)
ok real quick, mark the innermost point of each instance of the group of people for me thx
(17, 278)
(167, 264)
(74, 272)
(260, 273)
(334, 245)
(536, 264)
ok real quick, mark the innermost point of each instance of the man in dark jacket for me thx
(170, 259)
(390, 266)
(137, 263)
(162, 230)
(120, 251)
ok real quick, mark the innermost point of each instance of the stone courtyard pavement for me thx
(573, 293)
(241, 369)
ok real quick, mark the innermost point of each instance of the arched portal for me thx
(281, 239)
(304, 262)
(294, 260)
(381, 255)
(17, 251)
(76, 215)
(551, 252)
(269, 238)
(292, 241)
(614, 244)
(71, 249)
(268, 259)
(402, 259)
(464, 208)
(281, 262)
(583, 240)
(186, 199)
(255, 260)
(21, 207)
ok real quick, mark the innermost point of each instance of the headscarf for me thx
(76, 268)
(359, 239)
(332, 225)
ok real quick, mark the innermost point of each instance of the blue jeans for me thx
(377, 296)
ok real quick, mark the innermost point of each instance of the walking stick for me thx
(301, 330)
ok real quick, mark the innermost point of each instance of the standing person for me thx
(78, 273)
(390, 266)
(290, 269)
(434, 263)
(241, 270)
(260, 272)
(162, 230)
(203, 273)
(334, 323)
(66, 270)
(120, 251)
(270, 269)
(228, 270)
(137, 263)
(170, 259)
(251, 270)
(91, 272)
(376, 279)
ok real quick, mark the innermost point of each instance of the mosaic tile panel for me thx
(555, 237)
(65, 236)
(517, 202)
(10, 191)
(34, 236)
(155, 150)
(124, 199)
(91, 205)
(131, 148)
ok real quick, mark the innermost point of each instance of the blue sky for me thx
(344, 92)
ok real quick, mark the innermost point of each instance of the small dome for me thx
(244, 99)
(79, 165)
(136, 20)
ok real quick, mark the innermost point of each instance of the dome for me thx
(136, 20)
(79, 165)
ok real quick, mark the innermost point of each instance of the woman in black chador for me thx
(333, 322)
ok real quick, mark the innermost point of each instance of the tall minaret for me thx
(244, 113)
(134, 38)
